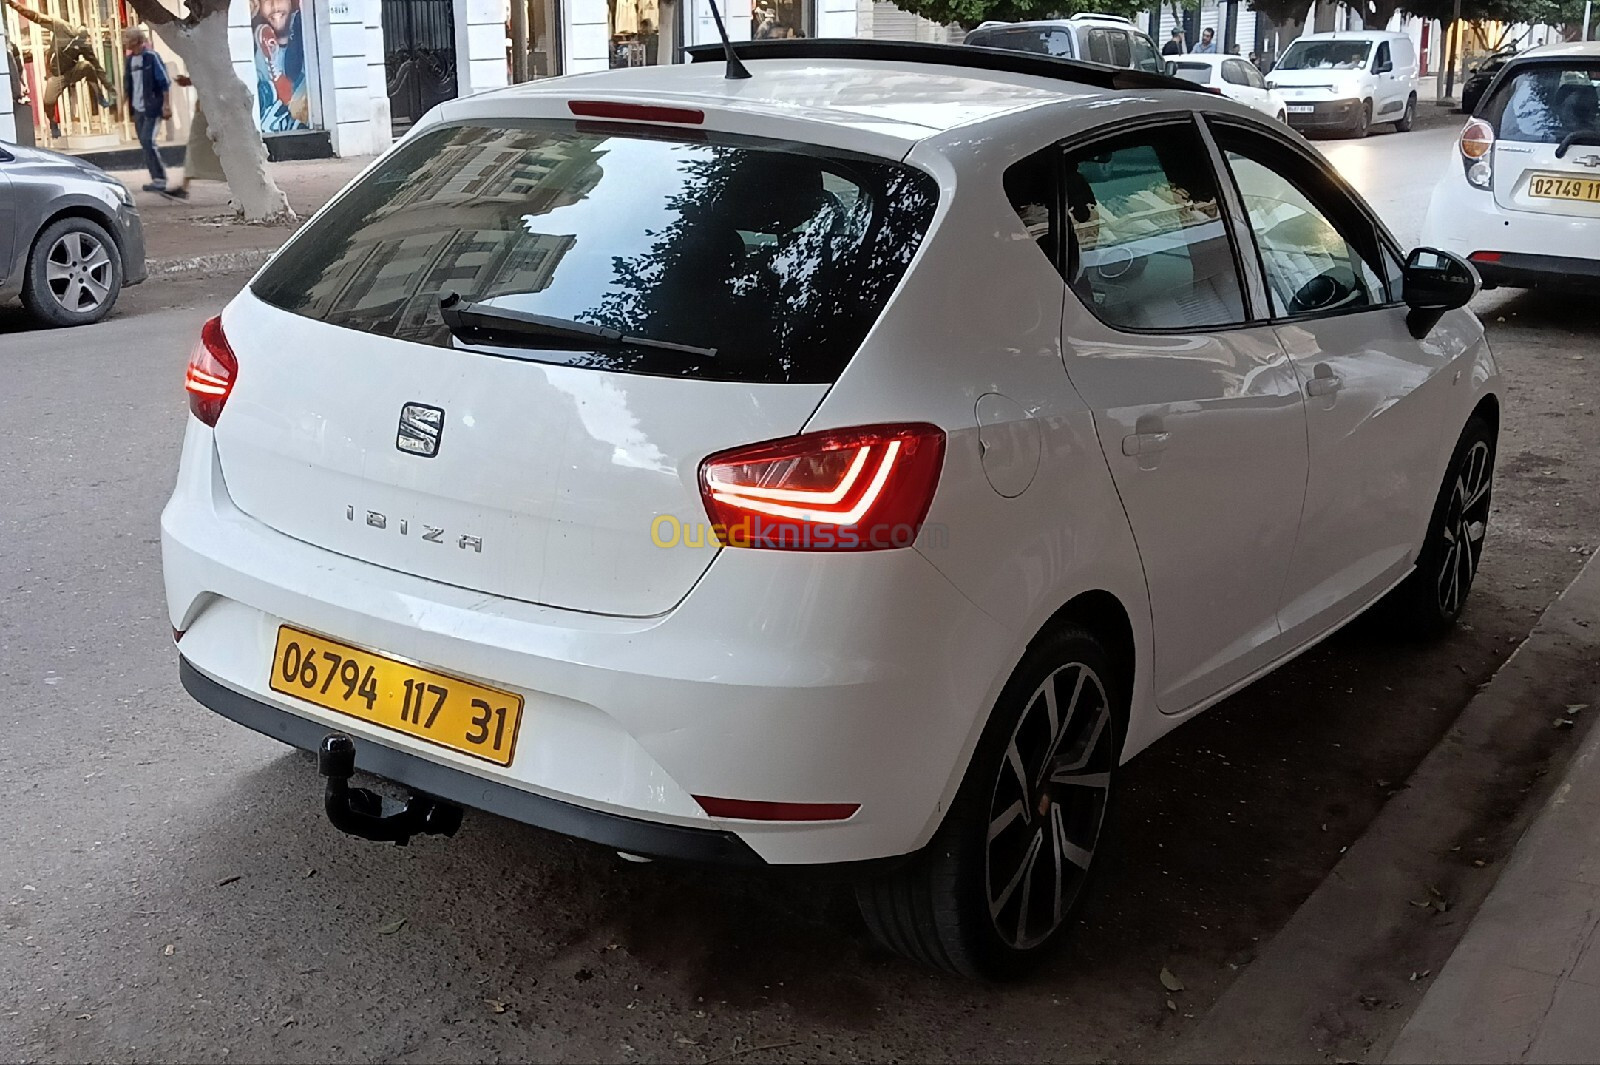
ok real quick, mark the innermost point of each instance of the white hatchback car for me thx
(852, 464)
(1230, 76)
(1520, 196)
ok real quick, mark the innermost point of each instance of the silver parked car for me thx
(70, 237)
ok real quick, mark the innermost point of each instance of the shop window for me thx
(532, 40)
(642, 32)
(778, 19)
(70, 54)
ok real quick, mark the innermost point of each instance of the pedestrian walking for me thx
(1208, 42)
(1174, 45)
(145, 85)
(200, 162)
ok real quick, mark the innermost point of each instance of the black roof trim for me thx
(969, 56)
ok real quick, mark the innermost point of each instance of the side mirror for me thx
(1171, 68)
(1435, 282)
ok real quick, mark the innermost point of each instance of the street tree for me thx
(200, 38)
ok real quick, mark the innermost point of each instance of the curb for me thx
(1360, 929)
(219, 263)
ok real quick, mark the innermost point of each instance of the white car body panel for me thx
(1258, 98)
(654, 675)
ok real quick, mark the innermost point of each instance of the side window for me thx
(1233, 73)
(1254, 76)
(1099, 47)
(1147, 247)
(1145, 56)
(1121, 53)
(1030, 185)
(1380, 58)
(1319, 252)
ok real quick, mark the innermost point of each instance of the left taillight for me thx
(211, 373)
(861, 489)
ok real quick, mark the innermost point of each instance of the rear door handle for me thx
(1145, 443)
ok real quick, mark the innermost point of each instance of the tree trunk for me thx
(201, 40)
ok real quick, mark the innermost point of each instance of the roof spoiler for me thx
(967, 56)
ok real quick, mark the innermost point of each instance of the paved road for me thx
(171, 891)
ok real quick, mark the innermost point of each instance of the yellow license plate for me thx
(441, 709)
(1565, 188)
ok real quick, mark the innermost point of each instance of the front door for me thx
(1378, 401)
(8, 220)
(1198, 409)
(419, 57)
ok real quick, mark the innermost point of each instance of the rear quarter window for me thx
(779, 257)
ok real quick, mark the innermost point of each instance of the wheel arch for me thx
(1488, 408)
(89, 211)
(1103, 614)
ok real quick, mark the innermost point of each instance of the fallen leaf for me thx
(1561, 722)
(392, 927)
(1170, 982)
(1440, 905)
(495, 1005)
(1171, 1005)
(686, 1041)
(167, 950)
(310, 873)
(225, 881)
(1573, 708)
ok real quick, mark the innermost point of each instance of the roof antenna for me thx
(736, 69)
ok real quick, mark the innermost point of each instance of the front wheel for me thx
(1404, 123)
(993, 890)
(1431, 599)
(1363, 120)
(74, 273)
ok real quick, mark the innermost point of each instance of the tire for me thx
(73, 274)
(1430, 601)
(1363, 120)
(995, 887)
(1408, 119)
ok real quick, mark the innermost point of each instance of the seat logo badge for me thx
(421, 427)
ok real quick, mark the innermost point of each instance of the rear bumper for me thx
(623, 833)
(1324, 114)
(859, 678)
(1532, 249)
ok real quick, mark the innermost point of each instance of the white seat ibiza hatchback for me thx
(852, 463)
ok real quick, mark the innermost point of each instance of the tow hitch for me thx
(362, 813)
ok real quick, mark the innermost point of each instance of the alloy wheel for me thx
(1048, 805)
(1465, 522)
(79, 272)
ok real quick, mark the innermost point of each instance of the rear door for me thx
(8, 218)
(1546, 118)
(554, 471)
(1379, 403)
(1198, 410)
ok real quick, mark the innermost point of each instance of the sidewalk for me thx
(200, 233)
(1523, 985)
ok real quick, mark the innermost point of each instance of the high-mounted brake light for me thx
(860, 489)
(1477, 139)
(623, 112)
(211, 373)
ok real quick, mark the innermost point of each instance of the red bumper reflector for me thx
(757, 810)
(683, 116)
(1485, 256)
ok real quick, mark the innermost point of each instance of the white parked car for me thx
(1520, 196)
(1235, 78)
(1093, 38)
(1345, 82)
(775, 471)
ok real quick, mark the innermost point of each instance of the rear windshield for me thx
(777, 256)
(1199, 73)
(1325, 55)
(1039, 40)
(1548, 103)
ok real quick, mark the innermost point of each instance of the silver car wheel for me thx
(1465, 523)
(79, 272)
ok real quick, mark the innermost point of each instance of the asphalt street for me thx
(169, 888)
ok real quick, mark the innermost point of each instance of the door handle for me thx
(1145, 443)
(1324, 382)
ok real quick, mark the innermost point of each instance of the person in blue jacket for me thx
(145, 87)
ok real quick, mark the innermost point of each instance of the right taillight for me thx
(212, 369)
(1477, 141)
(860, 489)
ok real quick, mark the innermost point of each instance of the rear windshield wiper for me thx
(1580, 137)
(466, 319)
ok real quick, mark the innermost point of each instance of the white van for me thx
(1345, 82)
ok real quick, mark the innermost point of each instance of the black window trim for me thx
(1393, 298)
(1249, 280)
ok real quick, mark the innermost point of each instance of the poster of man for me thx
(280, 65)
